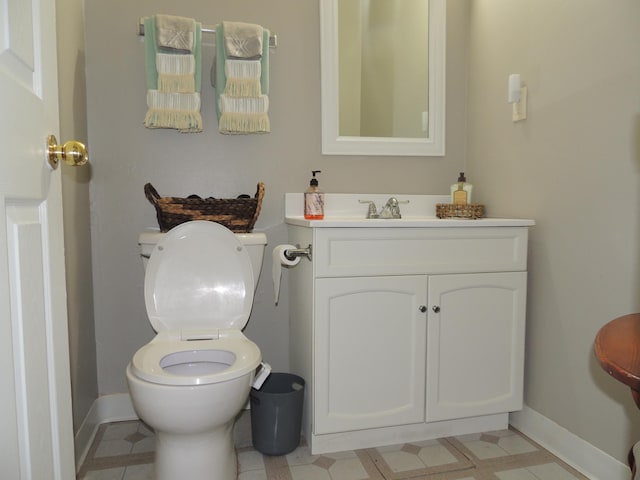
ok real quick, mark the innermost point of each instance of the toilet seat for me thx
(198, 291)
(199, 276)
(170, 360)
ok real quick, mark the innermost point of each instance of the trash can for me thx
(276, 414)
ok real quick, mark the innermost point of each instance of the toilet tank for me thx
(253, 242)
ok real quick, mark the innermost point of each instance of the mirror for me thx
(383, 77)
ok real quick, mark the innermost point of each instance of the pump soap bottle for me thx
(314, 200)
(461, 191)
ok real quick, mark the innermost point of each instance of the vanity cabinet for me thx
(407, 333)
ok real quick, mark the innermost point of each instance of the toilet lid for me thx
(199, 276)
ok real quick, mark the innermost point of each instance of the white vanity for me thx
(405, 329)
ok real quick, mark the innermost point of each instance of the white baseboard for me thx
(108, 408)
(581, 455)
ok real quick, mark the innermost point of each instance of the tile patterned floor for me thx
(125, 451)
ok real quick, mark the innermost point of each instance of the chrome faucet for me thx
(390, 210)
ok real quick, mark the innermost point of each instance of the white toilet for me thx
(194, 377)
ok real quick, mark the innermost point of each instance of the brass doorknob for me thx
(72, 153)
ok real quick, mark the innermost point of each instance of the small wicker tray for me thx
(237, 214)
(470, 211)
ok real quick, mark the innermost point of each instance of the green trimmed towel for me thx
(242, 84)
(173, 81)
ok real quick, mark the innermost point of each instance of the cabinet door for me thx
(369, 357)
(475, 344)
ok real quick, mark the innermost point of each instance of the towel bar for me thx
(273, 38)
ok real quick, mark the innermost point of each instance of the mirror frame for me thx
(332, 142)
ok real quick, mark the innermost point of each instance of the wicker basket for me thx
(470, 211)
(237, 214)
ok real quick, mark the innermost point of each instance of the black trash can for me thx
(276, 414)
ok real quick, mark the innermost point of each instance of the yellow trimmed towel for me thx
(243, 78)
(242, 72)
(174, 110)
(241, 115)
(176, 73)
(173, 74)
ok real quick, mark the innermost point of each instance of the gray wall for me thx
(125, 156)
(574, 167)
(75, 196)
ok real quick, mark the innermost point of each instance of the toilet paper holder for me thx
(293, 253)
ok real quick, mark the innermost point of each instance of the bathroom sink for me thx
(344, 210)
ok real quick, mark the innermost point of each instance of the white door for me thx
(369, 354)
(36, 436)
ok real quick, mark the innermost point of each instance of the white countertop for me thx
(343, 210)
(407, 222)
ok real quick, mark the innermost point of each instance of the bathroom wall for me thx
(125, 156)
(75, 196)
(574, 167)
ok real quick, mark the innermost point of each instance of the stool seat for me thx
(617, 348)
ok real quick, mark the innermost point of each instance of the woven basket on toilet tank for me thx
(237, 214)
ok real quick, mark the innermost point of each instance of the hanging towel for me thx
(173, 110)
(243, 78)
(175, 33)
(152, 49)
(173, 83)
(176, 73)
(239, 117)
(243, 40)
(218, 77)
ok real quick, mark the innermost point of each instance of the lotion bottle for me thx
(314, 200)
(461, 191)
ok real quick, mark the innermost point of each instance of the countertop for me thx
(406, 222)
(344, 210)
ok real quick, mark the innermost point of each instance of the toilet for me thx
(192, 379)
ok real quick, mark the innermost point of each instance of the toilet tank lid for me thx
(151, 237)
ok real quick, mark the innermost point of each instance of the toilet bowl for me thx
(194, 377)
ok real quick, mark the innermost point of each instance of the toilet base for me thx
(205, 456)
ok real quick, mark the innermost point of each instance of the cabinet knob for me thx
(422, 308)
(436, 309)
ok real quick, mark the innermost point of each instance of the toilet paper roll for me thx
(279, 259)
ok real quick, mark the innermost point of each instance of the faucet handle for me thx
(394, 201)
(372, 212)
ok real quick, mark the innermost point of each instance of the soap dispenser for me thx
(461, 191)
(314, 199)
